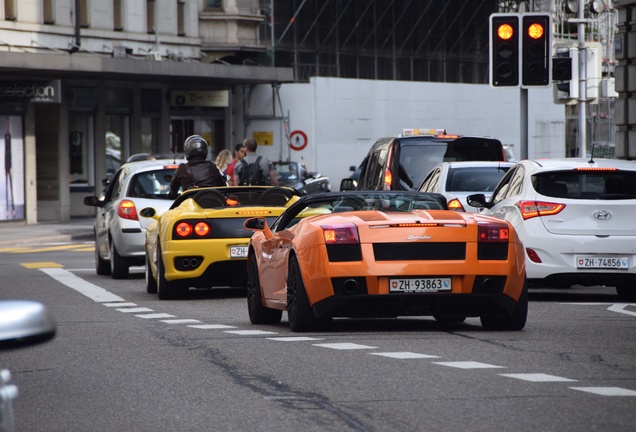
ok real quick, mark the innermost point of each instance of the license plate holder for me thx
(420, 285)
(602, 262)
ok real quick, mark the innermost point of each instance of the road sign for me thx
(297, 140)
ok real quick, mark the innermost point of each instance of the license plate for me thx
(587, 262)
(420, 285)
(238, 251)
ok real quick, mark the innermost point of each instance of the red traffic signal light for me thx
(536, 49)
(504, 50)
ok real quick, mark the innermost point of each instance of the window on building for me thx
(48, 8)
(181, 18)
(118, 24)
(150, 16)
(9, 10)
(213, 4)
(83, 13)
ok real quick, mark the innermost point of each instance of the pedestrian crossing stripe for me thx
(39, 265)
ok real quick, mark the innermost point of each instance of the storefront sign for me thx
(31, 91)
(200, 98)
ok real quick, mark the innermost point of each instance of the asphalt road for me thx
(125, 361)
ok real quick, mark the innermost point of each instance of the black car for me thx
(295, 175)
(402, 162)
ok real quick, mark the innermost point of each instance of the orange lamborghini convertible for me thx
(384, 254)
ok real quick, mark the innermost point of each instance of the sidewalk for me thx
(20, 234)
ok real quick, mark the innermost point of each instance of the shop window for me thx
(80, 145)
(48, 14)
(117, 141)
(84, 15)
(213, 4)
(150, 135)
(118, 24)
(150, 16)
(9, 10)
(181, 18)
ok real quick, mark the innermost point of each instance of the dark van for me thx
(402, 162)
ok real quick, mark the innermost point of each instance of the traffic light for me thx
(536, 49)
(565, 75)
(504, 50)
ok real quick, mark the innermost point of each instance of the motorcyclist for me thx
(198, 171)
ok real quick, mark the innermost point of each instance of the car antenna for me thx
(592, 154)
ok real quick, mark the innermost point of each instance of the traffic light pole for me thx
(523, 123)
(582, 80)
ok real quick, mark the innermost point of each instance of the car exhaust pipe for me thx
(350, 286)
(488, 285)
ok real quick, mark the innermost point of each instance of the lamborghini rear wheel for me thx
(515, 321)
(258, 313)
(299, 312)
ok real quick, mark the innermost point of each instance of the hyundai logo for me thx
(602, 214)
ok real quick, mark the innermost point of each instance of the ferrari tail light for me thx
(456, 205)
(183, 229)
(127, 210)
(530, 209)
(493, 232)
(201, 229)
(341, 234)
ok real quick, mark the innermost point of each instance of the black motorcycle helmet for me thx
(194, 146)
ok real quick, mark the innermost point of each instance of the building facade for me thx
(86, 84)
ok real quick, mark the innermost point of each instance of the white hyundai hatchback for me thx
(457, 180)
(120, 234)
(575, 217)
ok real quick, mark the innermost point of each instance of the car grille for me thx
(419, 251)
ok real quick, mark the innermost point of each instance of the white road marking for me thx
(119, 304)
(620, 308)
(606, 391)
(344, 346)
(88, 289)
(294, 338)
(404, 355)
(181, 321)
(250, 332)
(136, 310)
(538, 377)
(156, 315)
(468, 365)
(211, 326)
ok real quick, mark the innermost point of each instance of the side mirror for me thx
(148, 212)
(254, 224)
(348, 184)
(24, 323)
(477, 201)
(92, 201)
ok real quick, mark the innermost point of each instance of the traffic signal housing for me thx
(536, 49)
(504, 50)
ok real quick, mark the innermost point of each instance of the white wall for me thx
(343, 117)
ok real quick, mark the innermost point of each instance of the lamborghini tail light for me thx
(456, 205)
(493, 232)
(530, 209)
(341, 234)
(183, 229)
(127, 210)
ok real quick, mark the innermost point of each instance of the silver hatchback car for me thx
(120, 233)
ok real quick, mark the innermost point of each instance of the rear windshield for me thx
(151, 184)
(602, 185)
(474, 179)
(418, 157)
